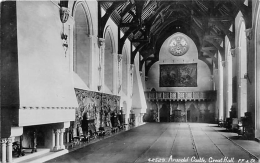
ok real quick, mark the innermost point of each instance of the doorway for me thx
(165, 113)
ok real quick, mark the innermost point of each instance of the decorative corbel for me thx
(233, 52)
(132, 67)
(64, 16)
(141, 73)
(101, 42)
(223, 63)
(249, 33)
(120, 56)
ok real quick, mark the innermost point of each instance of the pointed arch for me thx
(242, 67)
(125, 63)
(87, 14)
(109, 61)
(82, 43)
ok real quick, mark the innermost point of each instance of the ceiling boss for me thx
(178, 46)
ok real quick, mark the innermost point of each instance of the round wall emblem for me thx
(178, 46)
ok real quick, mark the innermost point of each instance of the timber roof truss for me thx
(147, 23)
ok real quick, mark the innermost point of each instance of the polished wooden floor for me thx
(162, 142)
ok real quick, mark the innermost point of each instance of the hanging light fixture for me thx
(64, 16)
(64, 11)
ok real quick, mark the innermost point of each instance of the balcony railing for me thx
(180, 96)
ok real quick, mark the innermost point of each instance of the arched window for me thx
(109, 61)
(124, 70)
(242, 70)
(82, 52)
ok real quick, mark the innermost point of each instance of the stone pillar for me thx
(185, 108)
(3, 142)
(132, 66)
(171, 110)
(158, 110)
(67, 136)
(220, 92)
(9, 149)
(57, 141)
(53, 139)
(228, 75)
(119, 69)
(62, 146)
(101, 44)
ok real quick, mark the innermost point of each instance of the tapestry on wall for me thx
(96, 107)
(178, 75)
(89, 108)
(110, 104)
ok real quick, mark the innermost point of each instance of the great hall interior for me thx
(73, 71)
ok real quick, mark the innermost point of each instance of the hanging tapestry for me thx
(96, 107)
(110, 103)
(178, 75)
(89, 108)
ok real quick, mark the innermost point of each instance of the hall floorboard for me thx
(162, 142)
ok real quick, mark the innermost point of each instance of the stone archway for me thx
(193, 113)
(165, 112)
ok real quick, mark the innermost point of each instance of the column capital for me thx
(62, 130)
(3, 141)
(249, 33)
(120, 57)
(141, 73)
(57, 131)
(223, 63)
(101, 42)
(233, 52)
(9, 141)
(132, 67)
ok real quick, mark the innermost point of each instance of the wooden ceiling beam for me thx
(209, 48)
(246, 11)
(228, 33)
(132, 24)
(209, 64)
(127, 9)
(103, 20)
(149, 65)
(139, 9)
(220, 49)
(138, 48)
(221, 18)
(140, 40)
(212, 55)
(121, 41)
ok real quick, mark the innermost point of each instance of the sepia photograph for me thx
(130, 81)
